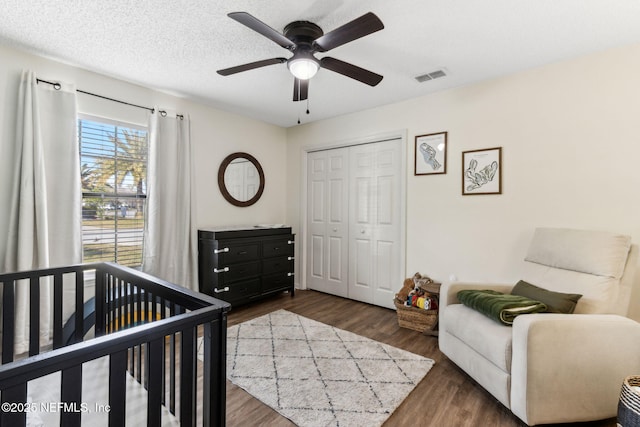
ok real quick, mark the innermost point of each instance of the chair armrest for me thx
(570, 367)
(449, 291)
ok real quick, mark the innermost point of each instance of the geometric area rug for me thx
(318, 375)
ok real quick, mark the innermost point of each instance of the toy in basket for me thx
(417, 304)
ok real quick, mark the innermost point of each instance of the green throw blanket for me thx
(498, 306)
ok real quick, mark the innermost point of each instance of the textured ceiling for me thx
(176, 47)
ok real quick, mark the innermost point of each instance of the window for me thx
(113, 161)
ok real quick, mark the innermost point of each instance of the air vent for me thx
(430, 76)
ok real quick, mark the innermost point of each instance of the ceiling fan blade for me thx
(350, 70)
(300, 89)
(260, 27)
(251, 66)
(359, 27)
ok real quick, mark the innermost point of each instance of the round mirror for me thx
(241, 179)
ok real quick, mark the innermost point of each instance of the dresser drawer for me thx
(239, 291)
(273, 248)
(240, 271)
(231, 252)
(277, 265)
(277, 282)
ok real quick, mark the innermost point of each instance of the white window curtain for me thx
(170, 241)
(44, 200)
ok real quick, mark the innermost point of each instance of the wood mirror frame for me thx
(223, 188)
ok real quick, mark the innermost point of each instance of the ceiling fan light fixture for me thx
(303, 67)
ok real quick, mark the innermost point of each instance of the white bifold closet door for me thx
(328, 221)
(354, 221)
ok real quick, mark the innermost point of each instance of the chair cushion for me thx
(556, 302)
(594, 252)
(485, 336)
(599, 293)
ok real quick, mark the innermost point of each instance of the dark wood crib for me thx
(146, 328)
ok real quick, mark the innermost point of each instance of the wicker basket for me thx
(415, 318)
(629, 405)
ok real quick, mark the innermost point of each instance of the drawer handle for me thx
(221, 270)
(290, 274)
(217, 291)
(290, 258)
(290, 242)
(217, 251)
(242, 253)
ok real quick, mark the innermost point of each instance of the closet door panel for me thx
(388, 237)
(316, 221)
(362, 210)
(316, 258)
(327, 221)
(337, 261)
(362, 271)
(375, 234)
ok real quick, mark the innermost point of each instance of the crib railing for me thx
(148, 328)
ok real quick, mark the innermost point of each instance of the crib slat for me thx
(17, 394)
(163, 305)
(100, 299)
(214, 373)
(34, 316)
(172, 364)
(128, 321)
(187, 376)
(154, 368)
(139, 364)
(110, 310)
(146, 354)
(117, 388)
(154, 308)
(141, 295)
(71, 393)
(79, 315)
(57, 311)
(8, 320)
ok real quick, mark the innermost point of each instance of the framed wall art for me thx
(431, 154)
(482, 171)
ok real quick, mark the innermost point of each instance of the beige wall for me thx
(570, 134)
(214, 133)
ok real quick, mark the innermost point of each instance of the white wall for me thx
(214, 133)
(570, 134)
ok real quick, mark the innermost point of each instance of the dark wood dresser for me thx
(245, 263)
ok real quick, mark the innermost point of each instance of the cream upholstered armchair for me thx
(549, 367)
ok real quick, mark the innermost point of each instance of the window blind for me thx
(113, 159)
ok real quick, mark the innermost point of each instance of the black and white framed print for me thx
(431, 154)
(482, 171)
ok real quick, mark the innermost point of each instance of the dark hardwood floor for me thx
(445, 397)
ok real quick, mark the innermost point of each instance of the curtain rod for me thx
(57, 86)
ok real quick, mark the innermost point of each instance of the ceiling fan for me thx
(305, 38)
